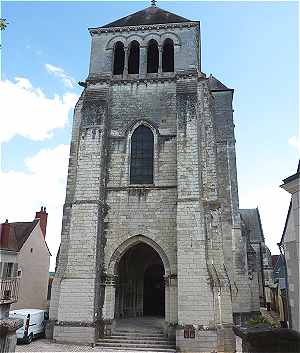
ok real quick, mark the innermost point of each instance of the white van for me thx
(34, 323)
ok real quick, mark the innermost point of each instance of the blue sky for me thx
(250, 46)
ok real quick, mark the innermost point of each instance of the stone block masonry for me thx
(184, 225)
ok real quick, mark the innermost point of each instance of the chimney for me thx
(42, 215)
(4, 235)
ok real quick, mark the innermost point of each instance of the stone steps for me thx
(162, 342)
(123, 346)
(138, 335)
(137, 342)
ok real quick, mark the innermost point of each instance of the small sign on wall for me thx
(189, 331)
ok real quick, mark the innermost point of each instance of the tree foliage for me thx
(3, 24)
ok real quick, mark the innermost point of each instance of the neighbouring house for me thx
(8, 290)
(27, 240)
(290, 249)
(252, 229)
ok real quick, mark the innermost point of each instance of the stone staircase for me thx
(140, 334)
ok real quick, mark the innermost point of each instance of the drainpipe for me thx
(289, 312)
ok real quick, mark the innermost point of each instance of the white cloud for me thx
(28, 112)
(273, 203)
(42, 184)
(68, 81)
(295, 142)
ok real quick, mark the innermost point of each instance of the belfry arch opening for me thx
(152, 56)
(119, 58)
(134, 58)
(141, 289)
(168, 56)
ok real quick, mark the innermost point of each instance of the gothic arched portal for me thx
(141, 289)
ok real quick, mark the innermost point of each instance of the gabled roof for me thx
(251, 219)
(216, 85)
(22, 231)
(150, 15)
(19, 232)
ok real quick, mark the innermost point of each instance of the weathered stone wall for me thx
(190, 213)
(185, 38)
(235, 252)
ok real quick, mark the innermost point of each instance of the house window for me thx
(152, 56)
(141, 163)
(134, 58)
(168, 56)
(119, 58)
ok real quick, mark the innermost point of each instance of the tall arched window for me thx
(134, 58)
(141, 162)
(168, 56)
(119, 58)
(152, 56)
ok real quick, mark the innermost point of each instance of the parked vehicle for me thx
(34, 323)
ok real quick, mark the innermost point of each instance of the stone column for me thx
(173, 298)
(167, 298)
(126, 61)
(109, 299)
(8, 328)
(160, 50)
(143, 61)
(108, 312)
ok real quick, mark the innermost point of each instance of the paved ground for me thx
(44, 345)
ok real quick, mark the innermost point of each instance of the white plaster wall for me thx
(35, 272)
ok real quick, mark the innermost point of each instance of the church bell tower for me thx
(151, 225)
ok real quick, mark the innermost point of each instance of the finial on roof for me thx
(153, 3)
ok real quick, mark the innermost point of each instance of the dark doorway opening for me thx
(154, 291)
(140, 290)
(152, 56)
(134, 58)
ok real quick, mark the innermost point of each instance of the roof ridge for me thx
(149, 15)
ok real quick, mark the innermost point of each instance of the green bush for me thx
(259, 319)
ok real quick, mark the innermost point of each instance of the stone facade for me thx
(290, 247)
(189, 215)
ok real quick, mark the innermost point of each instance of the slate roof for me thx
(148, 16)
(19, 233)
(216, 85)
(294, 176)
(251, 219)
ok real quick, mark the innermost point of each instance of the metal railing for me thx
(9, 289)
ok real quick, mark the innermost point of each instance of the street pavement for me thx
(45, 345)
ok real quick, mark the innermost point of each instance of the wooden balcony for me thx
(9, 289)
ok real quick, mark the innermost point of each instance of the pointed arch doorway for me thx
(141, 289)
